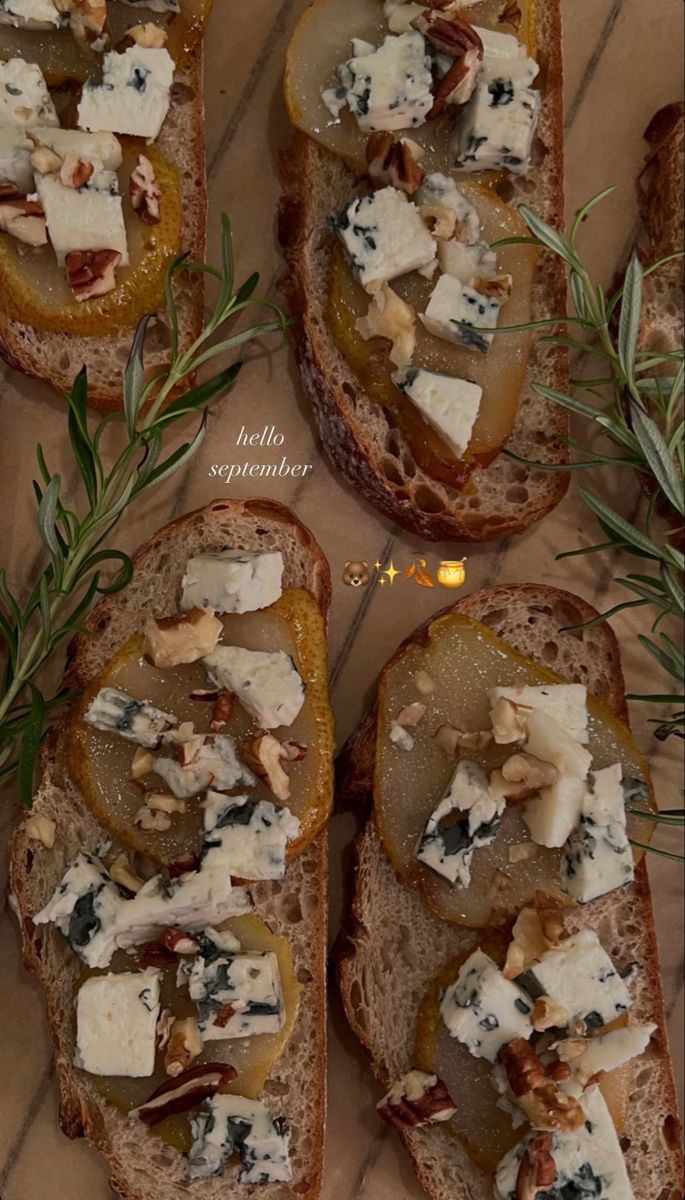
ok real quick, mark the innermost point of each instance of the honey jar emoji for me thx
(452, 574)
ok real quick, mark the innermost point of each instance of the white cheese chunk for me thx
(597, 856)
(133, 96)
(87, 218)
(438, 190)
(449, 405)
(581, 977)
(244, 838)
(399, 14)
(483, 1010)
(101, 148)
(238, 995)
(96, 918)
(214, 764)
(495, 131)
(589, 1162)
(32, 14)
(603, 1053)
(233, 581)
(506, 58)
(458, 313)
(138, 721)
(24, 96)
(268, 685)
(566, 703)
(384, 237)
(15, 158)
(553, 815)
(448, 843)
(233, 1123)
(387, 86)
(116, 1024)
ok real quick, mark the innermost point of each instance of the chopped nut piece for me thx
(185, 1092)
(294, 751)
(441, 220)
(143, 763)
(122, 873)
(184, 1045)
(400, 737)
(91, 273)
(163, 803)
(450, 35)
(538, 1169)
(391, 318)
(265, 753)
(498, 288)
(148, 35)
(558, 1071)
(44, 160)
(500, 882)
(551, 1109)
(75, 172)
(208, 695)
(23, 218)
(157, 822)
(165, 1024)
(87, 20)
(417, 1099)
(532, 771)
(522, 1065)
(511, 14)
(186, 751)
(178, 941)
(41, 829)
(522, 852)
(450, 739)
(570, 1049)
(145, 192)
(182, 866)
(547, 1014)
(222, 711)
(509, 721)
(503, 789)
(424, 684)
(411, 715)
(536, 930)
(171, 641)
(392, 162)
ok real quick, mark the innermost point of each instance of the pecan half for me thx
(546, 1106)
(393, 162)
(417, 1099)
(522, 1065)
(91, 273)
(537, 1169)
(23, 219)
(450, 35)
(184, 1045)
(145, 192)
(498, 288)
(185, 1092)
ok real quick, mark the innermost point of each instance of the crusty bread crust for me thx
(382, 1004)
(358, 435)
(142, 1167)
(58, 357)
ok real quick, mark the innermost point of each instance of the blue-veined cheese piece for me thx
(24, 96)
(603, 1053)
(458, 313)
(215, 764)
(580, 977)
(387, 86)
(589, 1162)
(597, 856)
(555, 813)
(438, 190)
(136, 720)
(96, 917)
(483, 1010)
(467, 261)
(504, 57)
(101, 148)
(86, 218)
(32, 14)
(237, 995)
(116, 1024)
(566, 703)
(448, 404)
(15, 158)
(467, 817)
(133, 96)
(233, 581)
(384, 237)
(228, 1124)
(267, 684)
(246, 838)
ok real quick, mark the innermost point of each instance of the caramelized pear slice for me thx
(322, 40)
(35, 289)
(465, 660)
(100, 763)
(500, 372)
(62, 60)
(252, 1057)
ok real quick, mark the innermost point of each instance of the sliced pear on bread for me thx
(102, 763)
(465, 660)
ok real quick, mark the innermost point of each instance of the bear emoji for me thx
(356, 574)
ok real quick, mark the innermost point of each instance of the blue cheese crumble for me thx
(232, 581)
(268, 685)
(483, 1010)
(582, 979)
(246, 838)
(467, 817)
(237, 995)
(387, 86)
(458, 313)
(233, 1124)
(597, 856)
(138, 721)
(214, 764)
(384, 237)
(496, 129)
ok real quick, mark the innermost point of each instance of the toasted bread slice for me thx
(58, 357)
(662, 204)
(382, 1000)
(358, 434)
(142, 1166)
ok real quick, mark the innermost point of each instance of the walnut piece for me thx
(424, 684)
(185, 1044)
(88, 19)
(498, 288)
(450, 739)
(23, 218)
(393, 162)
(142, 764)
(547, 1014)
(417, 1099)
(511, 14)
(161, 802)
(547, 1107)
(39, 828)
(391, 318)
(440, 219)
(509, 721)
(151, 36)
(122, 873)
(266, 754)
(152, 822)
(171, 641)
(91, 273)
(145, 192)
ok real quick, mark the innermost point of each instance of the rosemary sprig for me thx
(32, 626)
